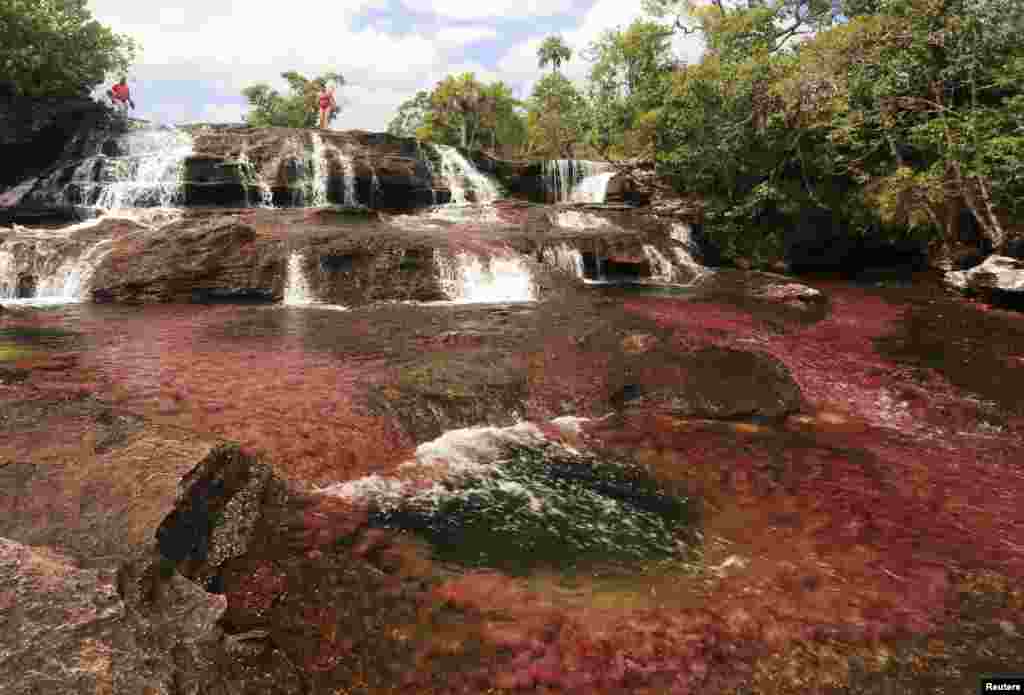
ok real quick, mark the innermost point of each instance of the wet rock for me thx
(105, 509)
(195, 257)
(68, 629)
(998, 278)
(446, 391)
(216, 513)
(790, 293)
(717, 383)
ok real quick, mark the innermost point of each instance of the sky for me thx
(197, 55)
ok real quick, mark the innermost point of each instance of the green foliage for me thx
(630, 75)
(56, 48)
(412, 115)
(556, 118)
(298, 109)
(464, 112)
(553, 51)
(889, 118)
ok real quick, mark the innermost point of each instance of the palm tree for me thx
(554, 51)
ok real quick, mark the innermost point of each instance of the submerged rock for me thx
(717, 383)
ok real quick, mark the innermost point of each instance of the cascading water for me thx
(661, 267)
(566, 258)
(252, 177)
(686, 246)
(593, 189)
(317, 183)
(349, 169)
(465, 278)
(455, 169)
(149, 174)
(296, 289)
(54, 280)
(566, 177)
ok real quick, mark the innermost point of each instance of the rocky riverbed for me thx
(264, 446)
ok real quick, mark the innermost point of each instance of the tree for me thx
(556, 118)
(56, 48)
(463, 105)
(463, 112)
(553, 50)
(742, 26)
(299, 109)
(629, 78)
(412, 115)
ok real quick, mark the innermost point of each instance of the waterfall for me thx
(374, 187)
(317, 183)
(69, 282)
(564, 176)
(465, 278)
(252, 177)
(592, 189)
(349, 169)
(661, 267)
(455, 169)
(150, 174)
(296, 289)
(683, 235)
(566, 258)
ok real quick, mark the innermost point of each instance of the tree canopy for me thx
(464, 112)
(553, 51)
(298, 109)
(56, 48)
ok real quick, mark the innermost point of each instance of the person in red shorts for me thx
(327, 103)
(120, 97)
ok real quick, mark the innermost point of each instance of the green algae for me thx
(11, 352)
(549, 508)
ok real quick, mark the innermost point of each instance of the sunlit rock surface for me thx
(997, 278)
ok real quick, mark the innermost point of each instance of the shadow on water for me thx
(979, 349)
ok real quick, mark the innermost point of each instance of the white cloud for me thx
(464, 35)
(223, 46)
(520, 63)
(223, 113)
(477, 9)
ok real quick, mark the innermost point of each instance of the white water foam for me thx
(471, 451)
(151, 172)
(297, 292)
(455, 168)
(68, 283)
(661, 267)
(566, 258)
(318, 174)
(465, 278)
(296, 289)
(593, 189)
(562, 176)
(252, 176)
(349, 169)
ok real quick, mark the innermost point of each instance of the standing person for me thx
(326, 101)
(120, 97)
